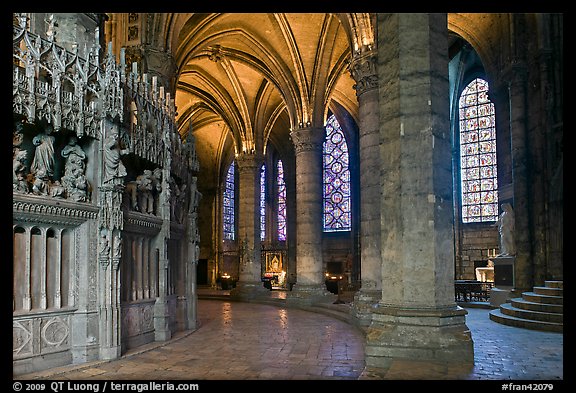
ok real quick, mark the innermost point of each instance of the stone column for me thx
(192, 255)
(417, 318)
(517, 90)
(364, 71)
(310, 286)
(110, 226)
(162, 330)
(250, 283)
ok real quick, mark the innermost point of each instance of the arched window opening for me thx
(478, 169)
(336, 174)
(228, 202)
(281, 202)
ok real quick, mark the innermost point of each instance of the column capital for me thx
(249, 162)
(363, 69)
(307, 139)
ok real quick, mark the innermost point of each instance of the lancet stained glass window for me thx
(479, 180)
(336, 173)
(281, 202)
(263, 202)
(228, 208)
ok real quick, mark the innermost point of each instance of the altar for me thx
(485, 274)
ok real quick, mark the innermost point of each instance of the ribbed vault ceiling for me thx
(246, 79)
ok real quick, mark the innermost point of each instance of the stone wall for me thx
(476, 244)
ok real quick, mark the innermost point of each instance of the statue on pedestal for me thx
(506, 226)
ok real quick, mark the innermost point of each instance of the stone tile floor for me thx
(249, 341)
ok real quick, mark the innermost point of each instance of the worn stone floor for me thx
(250, 341)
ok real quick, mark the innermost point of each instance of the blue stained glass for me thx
(281, 202)
(478, 154)
(336, 190)
(263, 202)
(228, 201)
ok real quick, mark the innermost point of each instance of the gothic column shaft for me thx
(417, 317)
(520, 179)
(249, 217)
(308, 146)
(250, 283)
(364, 72)
(310, 286)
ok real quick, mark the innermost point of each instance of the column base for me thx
(306, 295)
(110, 353)
(365, 300)
(246, 291)
(398, 333)
(162, 331)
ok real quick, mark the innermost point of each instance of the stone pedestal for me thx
(503, 280)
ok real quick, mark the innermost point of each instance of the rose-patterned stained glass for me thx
(228, 202)
(478, 154)
(281, 202)
(336, 191)
(263, 202)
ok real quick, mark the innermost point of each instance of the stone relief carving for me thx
(55, 332)
(71, 96)
(74, 181)
(20, 182)
(142, 193)
(42, 167)
(117, 250)
(103, 248)
(114, 169)
(22, 338)
(178, 197)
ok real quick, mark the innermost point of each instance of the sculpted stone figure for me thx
(114, 169)
(19, 182)
(17, 137)
(506, 226)
(145, 198)
(74, 181)
(43, 163)
(142, 191)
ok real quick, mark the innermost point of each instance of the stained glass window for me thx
(478, 154)
(263, 202)
(336, 192)
(281, 202)
(228, 208)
